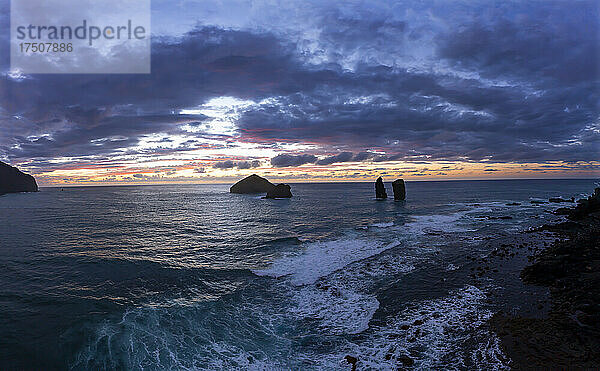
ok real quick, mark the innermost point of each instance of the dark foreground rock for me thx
(380, 192)
(569, 337)
(399, 190)
(558, 200)
(586, 207)
(280, 191)
(252, 184)
(351, 361)
(12, 180)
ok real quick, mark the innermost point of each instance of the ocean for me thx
(193, 277)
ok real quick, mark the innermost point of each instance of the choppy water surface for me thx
(192, 277)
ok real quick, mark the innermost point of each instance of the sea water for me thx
(193, 277)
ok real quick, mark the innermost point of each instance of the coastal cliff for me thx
(13, 180)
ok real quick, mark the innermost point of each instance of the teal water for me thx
(192, 277)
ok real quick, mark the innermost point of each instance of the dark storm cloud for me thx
(553, 40)
(248, 164)
(342, 157)
(537, 99)
(228, 164)
(76, 109)
(287, 160)
(224, 165)
(518, 85)
(359, 157)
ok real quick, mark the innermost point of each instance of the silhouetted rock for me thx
(352, 361)
(252, 184)
(280, 191)
(586, 206)
(406, 360)
(380, 192)
(558, 199)
(513, 204)
(12, 180)
(563, 211)
(399, 190)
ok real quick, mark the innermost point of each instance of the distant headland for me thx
(13, 180)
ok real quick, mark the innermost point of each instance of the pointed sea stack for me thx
(12, 180)
(399, 190)
(252, 184)
(380, 192)
(280, 191)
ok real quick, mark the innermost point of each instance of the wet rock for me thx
(13, 180)
(566, 338)
(513, 204)
(406, 361)
(558, 199)
(352, 361)
(252, 184)
(280, 191)
(380, 192)
(587, 206)
(418, 322)
(536, 202)
(562, 211)
(399, 190)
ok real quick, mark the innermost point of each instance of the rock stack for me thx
(280, 191)
(380, 192)
(399, 190)
(12, 180)
(252, 184)
(257, 184)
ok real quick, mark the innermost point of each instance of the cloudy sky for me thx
(317, 90)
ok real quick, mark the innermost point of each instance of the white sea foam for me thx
(320, 259)
(335, 309)
(382, 225)
(452, 267)
(433, 224)
(437, 340)
(489, 355)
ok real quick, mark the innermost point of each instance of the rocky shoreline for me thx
(568, 337)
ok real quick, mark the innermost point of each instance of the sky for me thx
(309, 91)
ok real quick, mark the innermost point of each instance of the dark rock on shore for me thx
(380, 192)
(569, 336)
(280, 191)
(352, 361)
(586, 206)
(558, 199)
(12, 180)
(513, 204)
(399, 190)
(406, 361)
(563, 211)
(252, 184)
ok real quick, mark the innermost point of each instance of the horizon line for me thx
(308, 182)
